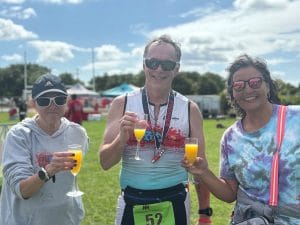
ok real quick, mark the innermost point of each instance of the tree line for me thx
(187, 83)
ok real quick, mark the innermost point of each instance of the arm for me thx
(61, 161)
(196, 122)
(116, 134)
(223, 189)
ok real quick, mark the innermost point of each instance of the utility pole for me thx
(25, 76)
(93, 69)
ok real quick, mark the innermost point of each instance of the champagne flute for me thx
(77, 151)
(191, 152)
(139, 132)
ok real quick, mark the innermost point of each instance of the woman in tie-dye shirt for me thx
(247, 149)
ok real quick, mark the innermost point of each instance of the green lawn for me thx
(102, 187)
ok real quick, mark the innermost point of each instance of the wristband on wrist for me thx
(204, 220)
(208, 211)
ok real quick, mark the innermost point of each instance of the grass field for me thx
(102, 187)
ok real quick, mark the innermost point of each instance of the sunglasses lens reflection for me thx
(60, 100)
(166, 65)
(255, 83)
(152, 64)
(45, 101)
(238, 85)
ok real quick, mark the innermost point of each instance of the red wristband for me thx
(204, 220)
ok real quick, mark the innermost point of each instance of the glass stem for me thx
(75, 183)
(138, 146)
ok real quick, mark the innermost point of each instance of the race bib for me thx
(154, 214)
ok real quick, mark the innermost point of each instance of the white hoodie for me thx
(26, 149)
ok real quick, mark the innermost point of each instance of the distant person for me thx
(96, 107)
(12, 113)
(36, 164)
(22, 105)
(75, 110)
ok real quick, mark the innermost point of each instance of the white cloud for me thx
(260, 4)
(18, 12)
(12, 58)
(217, 38)
(197, 12)
(109, 53)
(50, 51)
(46, 1)
(12, 1)
(111, 60)
(63, 1)
(276, 61)
(213, 40)
(140, 28)
(11, 31)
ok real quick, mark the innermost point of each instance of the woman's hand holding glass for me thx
(56, 162)
(192, 163)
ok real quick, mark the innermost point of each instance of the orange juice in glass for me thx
(139, 132)
(77, 151)
(191, 152)
(78, 157)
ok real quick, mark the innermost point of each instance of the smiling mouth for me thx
(249, 99)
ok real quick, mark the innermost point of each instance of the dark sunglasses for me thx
(254, 83)
(46, 101)
(166, 65)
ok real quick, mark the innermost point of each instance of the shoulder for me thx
(116, 109)
(23, 126)
(293, 109)
(118, 102)
(74, 126)
(231, 130)
(134, 93)
(180, 96)
(21, 132)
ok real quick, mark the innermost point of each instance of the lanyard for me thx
(166, 124)
(275, 163)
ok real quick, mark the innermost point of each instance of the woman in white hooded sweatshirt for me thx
(36, 164)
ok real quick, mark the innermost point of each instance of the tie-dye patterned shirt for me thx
(247, 158)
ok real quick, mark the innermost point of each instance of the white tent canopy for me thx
(80, 90)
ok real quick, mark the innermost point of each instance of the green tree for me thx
(68, 78)
(207, 86)
(12, 78)
(183, 84)
(218, 80)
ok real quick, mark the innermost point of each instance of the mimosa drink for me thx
(140, 127)
(78, 158)
(191, 151)
(139, 133)
(77, 151)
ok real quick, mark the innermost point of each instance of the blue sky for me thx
(60, 34)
